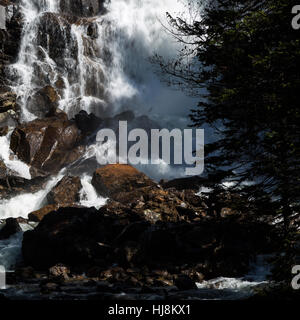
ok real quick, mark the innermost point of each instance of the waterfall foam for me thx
(88, 195)
(107, 72)
(23, 204)
(17, 167)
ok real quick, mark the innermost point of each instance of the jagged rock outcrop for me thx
(10, 36)
(83, 238)
(110, 180)
(10, 40)
(43, 102)
(55, 36)
(38, 215)
(9, 109)
(67, 191)
(47, 144)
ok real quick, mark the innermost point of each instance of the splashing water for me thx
(104, 73)
(23, 204)
(88, 195)
(239, 288)
(17, 167)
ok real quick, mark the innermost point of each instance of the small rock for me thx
(59, 271)
(11, 227)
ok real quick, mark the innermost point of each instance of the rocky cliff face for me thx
(10, 39)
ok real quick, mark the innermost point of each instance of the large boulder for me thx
(43, 102)
(47, 144)
(67, 191)
(73, 236)
(113, 179)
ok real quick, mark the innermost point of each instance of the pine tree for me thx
(242, 58)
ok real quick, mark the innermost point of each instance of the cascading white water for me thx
(17, 167)
(110, 71)
(23, 204)
(88, 194)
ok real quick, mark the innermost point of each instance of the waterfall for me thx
(101, 63)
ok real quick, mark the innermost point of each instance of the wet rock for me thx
(225, 212)
(38, 215)
(25, 273)
(3, 170)
(10, 37)
(10, 228)
(69, 235)
(3, 131)
(183, 282)
(190, 183)
(48, 287)
(43, 102)
(150, 203)
(55, 36)
(8, 109)
(82, 8)
(46, 144)
(129, 253)
(113, 179)
(12, 185)
(59, 271)
(67, 191)
(87, 123)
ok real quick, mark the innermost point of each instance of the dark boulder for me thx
(190, 183)
(67, 191)
(183, 282)
(10, 228)
(87, 123)
(43, 102)
(72, 236)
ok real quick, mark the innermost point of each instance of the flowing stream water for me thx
(106, 73)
